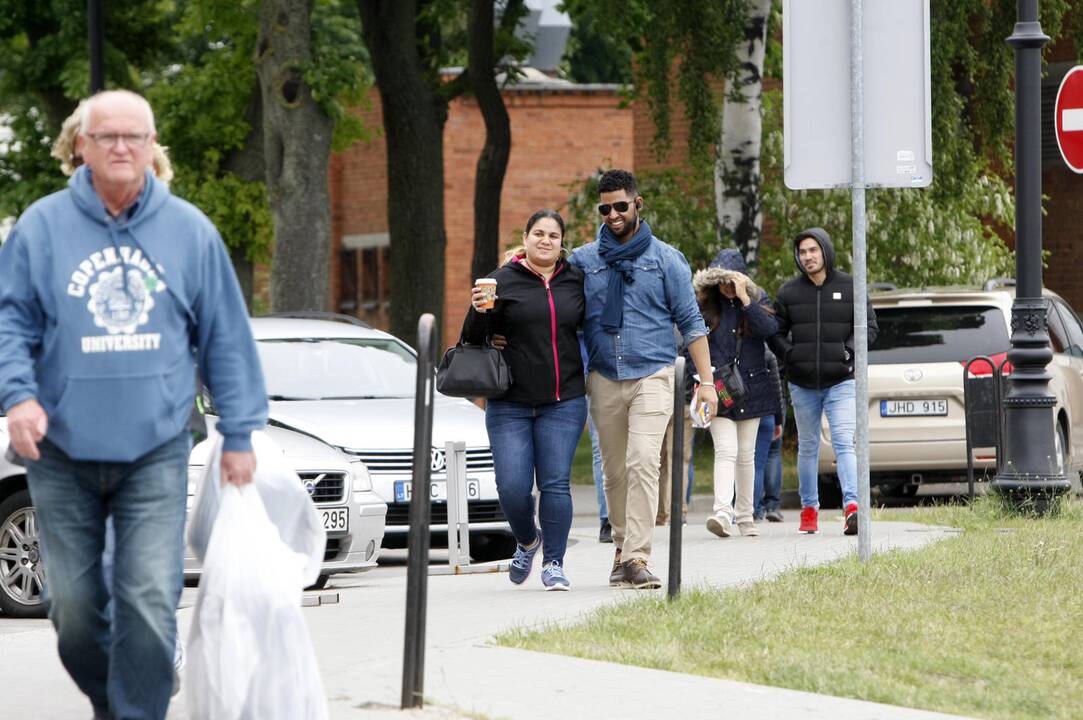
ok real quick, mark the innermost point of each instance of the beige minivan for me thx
(917, 431)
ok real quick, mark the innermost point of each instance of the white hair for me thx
(89, 103)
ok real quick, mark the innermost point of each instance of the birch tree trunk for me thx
(296, 150)
(739, 214)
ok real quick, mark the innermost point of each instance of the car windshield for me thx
(337, 368)
(938, 333)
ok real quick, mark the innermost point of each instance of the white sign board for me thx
(816, 93)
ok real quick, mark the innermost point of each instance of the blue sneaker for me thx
(522, 562)
(553, 577)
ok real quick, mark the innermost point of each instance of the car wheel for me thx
(489, 547)
(22, 574)
(830, 491)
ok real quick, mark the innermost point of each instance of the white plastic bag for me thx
(249, 653)
(287, 504)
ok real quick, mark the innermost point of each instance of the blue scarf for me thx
(622, 270)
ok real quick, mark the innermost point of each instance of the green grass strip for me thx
(989, 623)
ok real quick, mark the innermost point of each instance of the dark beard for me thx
(629, 229)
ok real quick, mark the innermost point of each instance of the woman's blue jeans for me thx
(536, 442)
(124, 666)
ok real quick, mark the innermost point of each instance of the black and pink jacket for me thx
(540, 320)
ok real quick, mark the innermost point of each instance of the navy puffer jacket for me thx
(726, 319)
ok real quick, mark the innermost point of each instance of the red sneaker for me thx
(850, 520)
(809, 521)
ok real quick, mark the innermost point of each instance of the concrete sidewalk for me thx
(359, 641)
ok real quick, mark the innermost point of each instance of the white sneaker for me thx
(720, 525)
(748, 528)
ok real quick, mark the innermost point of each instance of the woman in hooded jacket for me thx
(535, 426)
(739, 318)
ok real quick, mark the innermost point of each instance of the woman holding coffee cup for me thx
(535, 300)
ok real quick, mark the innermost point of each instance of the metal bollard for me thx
(458, 518)
(413, 659)
(677, 481)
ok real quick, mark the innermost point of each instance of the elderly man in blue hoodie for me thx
(111, 292)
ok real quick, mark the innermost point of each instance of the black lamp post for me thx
(95, 37)
(1030, 470)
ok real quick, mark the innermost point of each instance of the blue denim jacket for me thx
(660, 297)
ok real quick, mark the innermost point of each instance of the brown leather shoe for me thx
(617, 573)
(636, 575)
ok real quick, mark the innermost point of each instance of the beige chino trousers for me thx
(631, 417)
(665, 487)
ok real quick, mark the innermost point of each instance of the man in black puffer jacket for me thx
(815, 313)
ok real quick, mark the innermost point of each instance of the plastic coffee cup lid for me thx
(485, 281)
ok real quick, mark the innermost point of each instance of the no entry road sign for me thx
(1068, 118)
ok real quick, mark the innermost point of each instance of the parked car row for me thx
(341, 407)
(917, 419)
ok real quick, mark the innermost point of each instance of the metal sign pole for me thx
(861, 338)
(413, 661)
(676, 484)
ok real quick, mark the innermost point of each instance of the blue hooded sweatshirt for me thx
(103, 321)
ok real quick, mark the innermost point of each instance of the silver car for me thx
(352, 387)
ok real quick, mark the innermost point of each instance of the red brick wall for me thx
(558, 137)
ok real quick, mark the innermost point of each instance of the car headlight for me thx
(361, 479)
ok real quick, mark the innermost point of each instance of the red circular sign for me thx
(1068, 118)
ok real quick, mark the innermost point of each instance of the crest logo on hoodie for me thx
(119, 289)
(119, 301)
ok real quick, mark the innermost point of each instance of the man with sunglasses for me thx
(637, 288)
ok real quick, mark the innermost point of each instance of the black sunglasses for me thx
(620, 205)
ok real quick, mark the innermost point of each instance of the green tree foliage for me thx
(691, 40)
(44, 69)
(593, 55)
(193, 59)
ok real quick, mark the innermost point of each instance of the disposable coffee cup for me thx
(488, 288)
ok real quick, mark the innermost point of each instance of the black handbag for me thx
(473, 371)
(732, 393)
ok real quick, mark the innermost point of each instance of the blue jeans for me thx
(536, 442)
(763, 449)
(596, 462)
(125, 666)
(838, 403)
